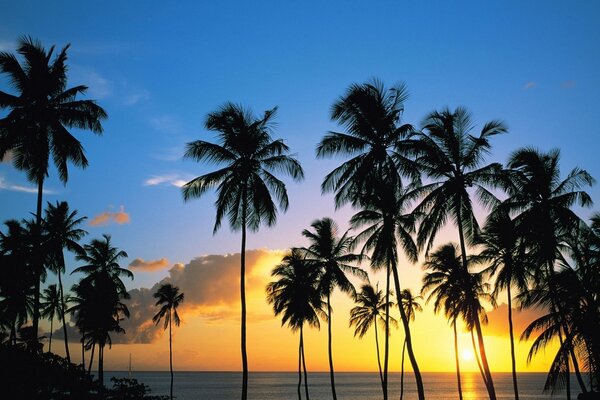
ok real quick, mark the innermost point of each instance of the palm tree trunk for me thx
(512, 343)
(568, 380)
(171, 354)
(63, 310)
(101, 366)
(409, 347)
(460, 395)
(38, 258)
(331, 373)
(92, 358)
(402, 371)
(300, 364)
(484, 362)
(378, 356)
(386, 353)
(82, 354)
(243, 301)
(50, 341)
(577, 371)
(476, 354)
(304, 365)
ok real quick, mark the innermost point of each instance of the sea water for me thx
(349, 385)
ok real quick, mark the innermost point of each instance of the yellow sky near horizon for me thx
(209, 336)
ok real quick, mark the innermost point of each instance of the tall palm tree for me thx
(543, 204)
(247, 188)
(370, 310)
(40, 114)
(62, 232)
(378, 146)
(51, 307)
(440, 282)
(411, 305)
(504, 250)
(100, 309)
(387, 228)
(295, 295)
(168, 298)
(451, 157)
(333, 256)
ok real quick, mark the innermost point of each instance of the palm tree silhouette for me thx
(247, 188)
(36, 126)
(411, 305)
(504, 250)
(295, 295)
(332, 256)
(51, 306)
(543, 203)
(379, 148)
(17, 283)
(168, 298)
(451, 157)
(370, 310)
(99, 309)
(60, 227)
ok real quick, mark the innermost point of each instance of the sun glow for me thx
(467, 355)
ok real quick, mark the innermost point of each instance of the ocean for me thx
(349, 385)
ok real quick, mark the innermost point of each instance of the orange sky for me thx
(208, 338)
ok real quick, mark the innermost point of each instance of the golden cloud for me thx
(107, 217)
(139, 264)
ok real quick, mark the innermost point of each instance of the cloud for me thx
(167, 124)
(167, 180)
(174, 153)
(107, 217)
(99, 86)
(529, 85)
(5, 185)
(568, 84)
(135, 97)
(139, 264)
(498, 320)
(6, 45)
(7, 159)
(210, 284)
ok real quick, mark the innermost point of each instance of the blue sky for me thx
(159, 68)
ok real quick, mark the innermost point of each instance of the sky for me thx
(159, 68)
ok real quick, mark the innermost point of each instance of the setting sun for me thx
(466, 355)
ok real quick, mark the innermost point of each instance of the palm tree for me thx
(411, 305)
(247, 188)
(444, 272)
(60, 226)
(51, 306)
(295, 295)
(332, 256)
(504, 250)
(36, 126)
(17, 283)
(379, 147)
(370, 310)
(451, 157)
(99, 310)
(543, 202)
(168, 298)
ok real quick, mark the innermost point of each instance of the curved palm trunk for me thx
(402, 371)
(300, 365)
(512, 343)
(101, 366)
(484, 362)
(171, 354)
(92, 358)
(476, 353)
(63, 309)
(378, 356)
(243, 301)
(409, 347)
(329, 343)
(386, 352)
(38, 259)
(460, 395)
(577, 370)
(304, 365)
(50, 341)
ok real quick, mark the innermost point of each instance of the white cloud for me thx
(99, 86)
(5, 185)
(135, 97)
(167, 124)
(167, 180)
(530, 85)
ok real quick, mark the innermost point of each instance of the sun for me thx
(467, 355)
